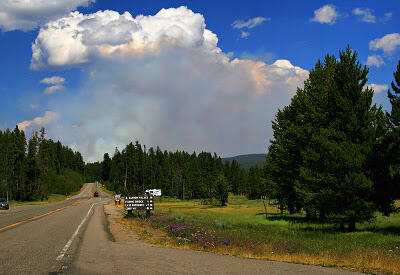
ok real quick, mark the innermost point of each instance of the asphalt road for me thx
(82, 236)
(34, 238)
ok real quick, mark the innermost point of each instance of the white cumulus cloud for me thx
(52, 89)
(53, 80)
(378, 87)
(79, 39)
(251, 23)
(365, 15)
(162, 80)
(325, 15)
(48, 118)
(375, 60)
(28, 14)
(387, 43)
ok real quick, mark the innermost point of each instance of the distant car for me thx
(95, 194)
(4, 204)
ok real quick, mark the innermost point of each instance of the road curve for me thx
(32, 237)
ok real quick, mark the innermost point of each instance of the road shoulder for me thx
(125, 253)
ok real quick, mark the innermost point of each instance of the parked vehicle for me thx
(154, 192)
(4, 204)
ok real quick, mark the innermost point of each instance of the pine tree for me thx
(106, 167)
(318, 159)
(222, 189)
(395, 129)
(334, 170)
(385, 160)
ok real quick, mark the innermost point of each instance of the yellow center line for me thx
(34, 218)
(11, 225)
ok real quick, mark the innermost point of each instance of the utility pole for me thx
(126, 171)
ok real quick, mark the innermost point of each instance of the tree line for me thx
(178, 174)
(334, 154)
(34, 169)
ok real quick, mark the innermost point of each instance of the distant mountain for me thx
(246, 161)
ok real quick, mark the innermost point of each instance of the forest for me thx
(178, 174)
(34, 169)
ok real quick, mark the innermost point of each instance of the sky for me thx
(183, 75)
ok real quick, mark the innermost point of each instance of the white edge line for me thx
(66, 247)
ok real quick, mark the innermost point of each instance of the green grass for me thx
(52, 199)
(374, 247)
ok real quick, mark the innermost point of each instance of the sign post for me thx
(139, 203)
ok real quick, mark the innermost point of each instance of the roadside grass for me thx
(242, 229)
(105, 190)
(53, 198)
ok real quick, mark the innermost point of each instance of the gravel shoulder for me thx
(110, 247)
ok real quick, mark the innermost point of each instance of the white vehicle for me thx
(154, 192)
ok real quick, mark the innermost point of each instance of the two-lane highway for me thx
(38, 239)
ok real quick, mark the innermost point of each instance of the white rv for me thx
(154, 192)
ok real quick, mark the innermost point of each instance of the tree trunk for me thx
(308, 215)
(351, 225)
(266, 209)
(126, 170)
(291, 209)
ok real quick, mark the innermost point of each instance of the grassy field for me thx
(242, 229)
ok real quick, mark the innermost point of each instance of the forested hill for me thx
(246, 161)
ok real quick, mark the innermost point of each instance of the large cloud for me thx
(79, 39)
(162, 80)
(28, 14)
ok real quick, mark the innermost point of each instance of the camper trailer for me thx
(154, 192)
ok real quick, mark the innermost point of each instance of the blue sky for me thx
(299, 32)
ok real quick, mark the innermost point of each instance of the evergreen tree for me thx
(395, 130)
(385, 159)
(222, 189)
(106, 167)
(323, 139)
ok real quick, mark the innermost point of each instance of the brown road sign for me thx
(139, 203)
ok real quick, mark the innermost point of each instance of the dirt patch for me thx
(129, 229)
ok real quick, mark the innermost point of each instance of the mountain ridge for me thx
(247, 160)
